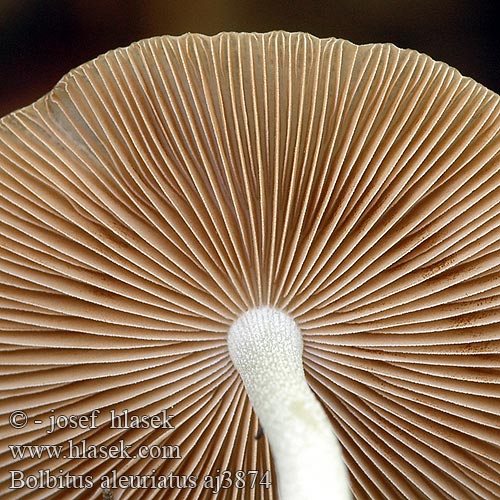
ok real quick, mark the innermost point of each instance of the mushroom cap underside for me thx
(162, 190)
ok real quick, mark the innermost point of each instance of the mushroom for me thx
(194, 225)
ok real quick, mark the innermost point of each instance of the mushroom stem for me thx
(265, 345)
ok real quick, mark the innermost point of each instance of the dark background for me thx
(40, 40)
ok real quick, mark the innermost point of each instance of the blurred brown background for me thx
(40, 40)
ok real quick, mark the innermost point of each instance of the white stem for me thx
(265, 346)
